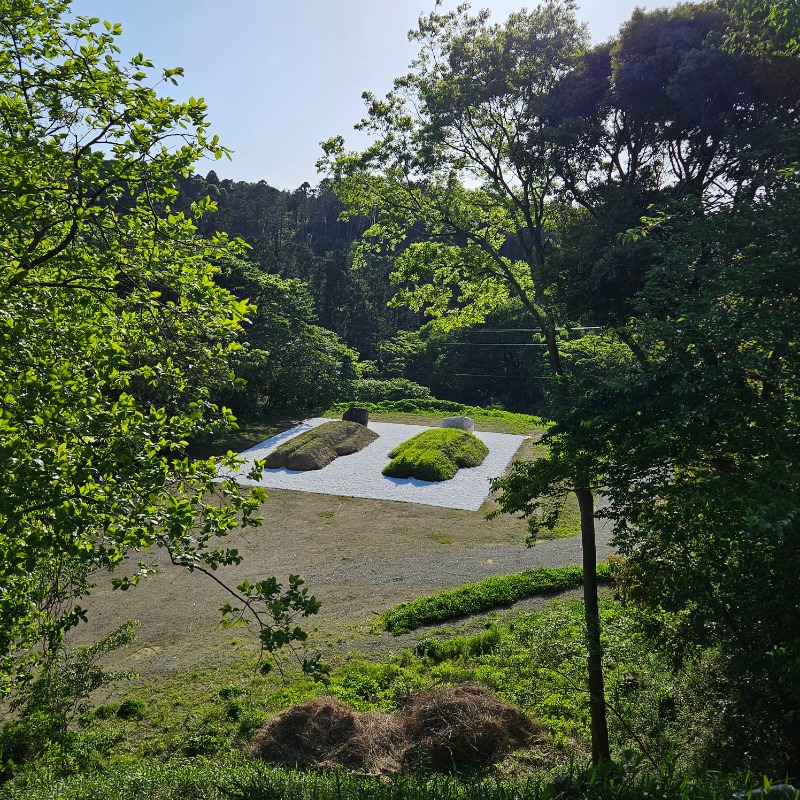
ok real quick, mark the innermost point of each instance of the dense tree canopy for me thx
(286, 361)
(113, 333)
(510, 163)
(696, 443)
(298, 235)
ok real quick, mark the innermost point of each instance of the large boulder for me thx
(460, 423)
(356, 414)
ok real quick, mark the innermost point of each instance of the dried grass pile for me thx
(464, 726)
(460, 727)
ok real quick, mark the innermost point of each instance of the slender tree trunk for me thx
(594, 651)
(594, 658)
(551, 335)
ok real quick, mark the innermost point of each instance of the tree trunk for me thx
(551, 335)
(594, 657)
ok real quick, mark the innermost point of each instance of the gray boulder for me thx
(461, 423)
(356, 414)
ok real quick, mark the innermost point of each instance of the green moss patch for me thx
(436, 455)
(316, 448)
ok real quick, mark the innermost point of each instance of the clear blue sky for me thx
(279, 76)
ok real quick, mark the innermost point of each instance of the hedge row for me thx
(434, 406)
(473, 598)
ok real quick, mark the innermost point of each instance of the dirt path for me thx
(358, 556)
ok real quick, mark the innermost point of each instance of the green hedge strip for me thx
(473, 598)
(423, 406)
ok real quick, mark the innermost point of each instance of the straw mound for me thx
(464, 726)
(458, 727)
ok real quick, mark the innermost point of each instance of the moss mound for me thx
(436, 455)
(462, 726)
(316, 448)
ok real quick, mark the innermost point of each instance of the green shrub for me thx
(436, 455)
(459, 647)
(205, 744)
(370, 390)
(63, 685)
(131, 708)
(230, 691)
(22, 740)
(105, 711)
(473, 598)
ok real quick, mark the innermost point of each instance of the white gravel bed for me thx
(359, 475)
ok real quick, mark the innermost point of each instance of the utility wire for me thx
(506, 377)
(496, 344)
(536, 330)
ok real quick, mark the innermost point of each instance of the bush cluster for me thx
(459, 647)
(473, 598)
(412, 405)
(372, 390)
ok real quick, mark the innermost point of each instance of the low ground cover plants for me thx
(187, 738)
(436, 455)
(474, 598)
(489, 418)
(240, 780)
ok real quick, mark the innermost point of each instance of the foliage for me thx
(764, 28)
(275, 611)
(694, 436)
(203, 779)
(286, 361)
(703, 479)
(459, 647)
(534, 660)
(436, 455)
(473, 598)
(507, 421)
(371, 390)
(394, 355)
(66, 680)
(499, 362)
(297, 235)
(57, 695)
(469, 112)
(113, 334)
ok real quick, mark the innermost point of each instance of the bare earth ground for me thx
(358, 557)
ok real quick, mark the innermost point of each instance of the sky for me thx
(280, 76)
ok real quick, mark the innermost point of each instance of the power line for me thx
(496, 344)
(506, 377)
(536, 330)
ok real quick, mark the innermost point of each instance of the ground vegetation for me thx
(436, 455)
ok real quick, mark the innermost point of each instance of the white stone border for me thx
(359, 475)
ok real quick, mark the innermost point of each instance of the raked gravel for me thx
(359, 475)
